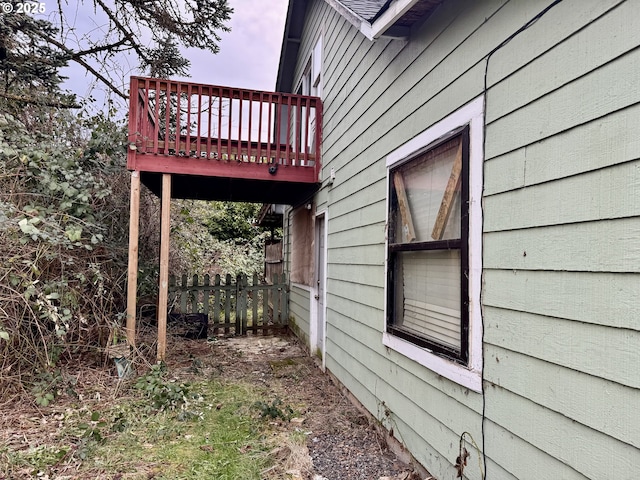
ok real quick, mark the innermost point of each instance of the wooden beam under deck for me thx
(224, 168)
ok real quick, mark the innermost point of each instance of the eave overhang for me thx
(390, 19)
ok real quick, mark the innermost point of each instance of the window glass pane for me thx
(428, 195)
(428, 295)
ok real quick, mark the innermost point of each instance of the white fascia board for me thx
(395, 11)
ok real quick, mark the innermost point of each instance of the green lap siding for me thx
(561, 230)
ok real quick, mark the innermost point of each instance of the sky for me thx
(248, 58)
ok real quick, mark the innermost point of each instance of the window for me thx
(427, 248)
(301, 245)
(434, 247)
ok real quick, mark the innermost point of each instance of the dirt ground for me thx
(341, 442)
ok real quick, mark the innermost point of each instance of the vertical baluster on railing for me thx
(307, 110)
(219, 153)
(298, 139)
(250, 94)
(167, 120)
(230, 121)
(178, 132)
(259, 155)
(278, 142)
(288, 139)
(187, 147)
(156, 119)
(239, 147)
(278, 126)
(145, 116)
(209, 123)
(269, 123)
(199, 126)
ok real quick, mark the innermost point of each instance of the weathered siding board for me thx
(343, 79)
(596, 403)
(359, 255)
(569, 60)
(343, 305)
(602, 298)
(358, 326)
(366, 215)
(575, 247)
(573, 344)
(587, 451)
(594, 145)
(373, 194)
(365, 235)
(373, 296)
(608, 193)
(365, 274)
(351, 49)
(548, 32)
(566, 107)
(523, 460)
(299, 308)
(414, 79)
(337, 41)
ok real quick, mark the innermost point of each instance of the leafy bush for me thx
(63, 221)
(273, 410)
(164, 395)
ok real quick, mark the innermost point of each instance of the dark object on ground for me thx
(190, 325)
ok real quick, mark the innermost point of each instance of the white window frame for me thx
(470, 375)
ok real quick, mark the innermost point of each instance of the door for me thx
(320, 280)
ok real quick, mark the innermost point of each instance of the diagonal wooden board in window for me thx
(448, 198)
(446, 206)
(408, 230)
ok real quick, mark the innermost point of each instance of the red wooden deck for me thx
(224, 143)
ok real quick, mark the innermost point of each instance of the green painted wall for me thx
(561, 227)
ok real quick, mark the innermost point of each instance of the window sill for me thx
(471, 379)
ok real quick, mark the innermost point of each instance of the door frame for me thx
(315, 314)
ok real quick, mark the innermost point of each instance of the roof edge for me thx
(394, 11)
(352, 17)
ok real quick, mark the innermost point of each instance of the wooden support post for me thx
(163, 294)
(132, 277)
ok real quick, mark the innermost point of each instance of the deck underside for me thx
(232, 189)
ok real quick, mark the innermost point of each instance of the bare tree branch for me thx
(99, 48)
(81, 61)
(128, 34)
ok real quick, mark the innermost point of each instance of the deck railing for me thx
(180, 119)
